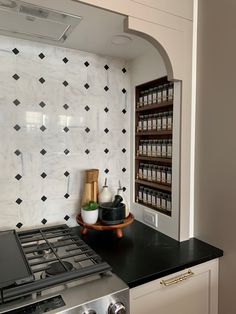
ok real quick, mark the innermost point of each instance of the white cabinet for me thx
(192, 291)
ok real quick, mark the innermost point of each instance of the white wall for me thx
(29, 139)
(171, 32)
(215, 210)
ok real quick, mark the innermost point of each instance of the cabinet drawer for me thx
(192, 291)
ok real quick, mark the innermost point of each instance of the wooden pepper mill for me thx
(90, 192)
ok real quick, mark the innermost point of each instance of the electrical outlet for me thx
(150, 218)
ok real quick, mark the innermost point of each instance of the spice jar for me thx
(154, 95)
(158, 200)
(149, 173)
(170, 120)
(159, 118)
(140, 193)
(164, 92)
(163, 148)
(154, 173)
(169, 175)
(169, 148)
(145, 123)
(159, 94)
(150, 96)
(145, 97)
(170, 91)
(168, 203)
(149, 122)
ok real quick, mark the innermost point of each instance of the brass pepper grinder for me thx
(90, 192)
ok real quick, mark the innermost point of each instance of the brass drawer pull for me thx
(178, 279)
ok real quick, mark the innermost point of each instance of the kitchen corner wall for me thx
(62, 111)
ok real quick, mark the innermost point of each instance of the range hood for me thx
(24, 20)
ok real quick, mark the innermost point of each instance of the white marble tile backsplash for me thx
(47, 127)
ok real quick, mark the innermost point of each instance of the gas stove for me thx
(53, 270)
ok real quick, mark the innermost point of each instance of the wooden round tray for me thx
(98, 226)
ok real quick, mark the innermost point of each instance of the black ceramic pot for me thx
(111, 215)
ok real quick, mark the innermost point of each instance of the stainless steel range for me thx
(52, 270)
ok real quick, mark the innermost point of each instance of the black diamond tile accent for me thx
(43, 128)
(124, 70)
(19, 201)
(17, 127)
(86, 86)
(43, 175)
(86, 108)
(15, 51)
(18, 177)
(65, 83)
(124, 131)
(43, 151)
(66, 174)
(86, 64)
(66, 217)
(65, 106)
(124, 188)
(65, 60)
(66, 195)
(106, 150)
(44, 221)
(43, 198)
(19, 225)
(16, 102)
(124, 111)
(106, 88)
(123, 150)
(42, 80)
(41, 56)
(17, 152)
(106, 67)
(123, 169)
(106, 130)
(87, 130)
(106, 171)
(106, 110)
(42, 104)
(123, 90)
(66, 151)
(66, 129)
(16, 76)
(87, 151)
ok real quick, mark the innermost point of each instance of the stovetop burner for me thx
(58, 268)
(43, 250)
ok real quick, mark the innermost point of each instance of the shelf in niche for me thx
(155, 185)
(159, 210)
(165, 104)
(155, 159)
(162, 132)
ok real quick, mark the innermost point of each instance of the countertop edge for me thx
(173, 270)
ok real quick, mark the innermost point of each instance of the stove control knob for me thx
(117, 308)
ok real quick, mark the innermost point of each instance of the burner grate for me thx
(54, 245)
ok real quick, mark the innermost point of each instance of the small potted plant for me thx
(89, 213)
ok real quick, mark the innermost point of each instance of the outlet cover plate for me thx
(150, 218)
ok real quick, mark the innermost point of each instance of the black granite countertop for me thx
(144, 254)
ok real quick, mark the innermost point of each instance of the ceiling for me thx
(95, 31)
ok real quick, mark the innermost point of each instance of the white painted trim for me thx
(193, 119)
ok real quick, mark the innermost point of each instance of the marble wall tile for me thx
(62, 114)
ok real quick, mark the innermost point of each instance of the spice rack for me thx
(153, 145)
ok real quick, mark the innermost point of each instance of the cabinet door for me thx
(195, 294)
